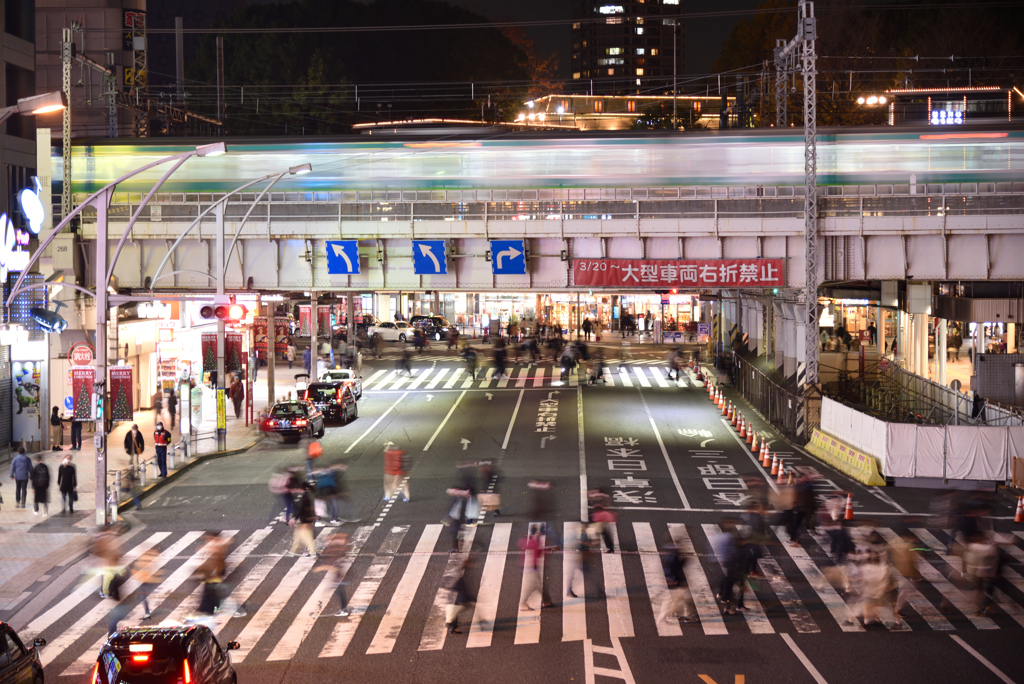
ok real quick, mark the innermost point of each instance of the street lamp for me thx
(872, 100)
(100, 202)
(223, 259)
(36, 104)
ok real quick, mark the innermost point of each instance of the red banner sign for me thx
(259, 327)
(208, 344)
(122, 393)
(233, 353)
(665, 273)
(82, 391)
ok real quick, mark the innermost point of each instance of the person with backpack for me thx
(41, 486)
(327, 492)
(284, 484)
(302, 523)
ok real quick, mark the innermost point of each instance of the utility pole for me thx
(220, 78)
(67, 50)
(139, 93)
(675, 63)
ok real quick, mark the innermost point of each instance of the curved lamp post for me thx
(100, 200)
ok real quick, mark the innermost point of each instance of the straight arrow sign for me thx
(465, 443)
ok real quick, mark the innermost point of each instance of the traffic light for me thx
(229, 313)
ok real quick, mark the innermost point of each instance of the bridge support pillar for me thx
(789, 340)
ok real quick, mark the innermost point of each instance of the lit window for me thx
(599, 104)
(584, 43)
(639, 72)
(639, 20)
(611, 72)
(640, 62)
(639, 31)
(670, 2)
(576, 25)
(654, 52)
(576, 74)
(614, 51)
(565, 103)
(613, 20)
(639, 51)
(611, 9)
(631, 106)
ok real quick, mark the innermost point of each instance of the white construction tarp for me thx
(929, 451)
(901, 439)
(860, 430)
(1014, 445)
(976, 453)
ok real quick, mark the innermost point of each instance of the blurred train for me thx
(496, 159)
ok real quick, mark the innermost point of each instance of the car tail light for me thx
(306, 395)
(300, 422)
(339, 395)
(188, 673)
(95, 679)
(143, 658)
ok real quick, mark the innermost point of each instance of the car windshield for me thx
(441, 321)
(322, 393)
(288, 411)
(338, 374)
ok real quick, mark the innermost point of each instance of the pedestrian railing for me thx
(780, 406)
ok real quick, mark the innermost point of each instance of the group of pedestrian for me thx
(23, 472)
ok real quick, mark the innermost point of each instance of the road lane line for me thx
(420, 378)
(703, 598)
(511, 423)
(659, 378)
(441, 372)
(398, 609)
(84, 590)
(624, 376)
(620, 620)
(362, 597)
(959, 600)
(453, 378)
(528, 621)
(435, 630)
(757, 621)
(376, 423)
(445, 421)
(811, 670)
(538, 379)
(160, 594)
(982, 659)
(318, 601)
(99, 611)
(761, 469)
(584, 513)
(664, 452)
(654, 576)
(482, 628)
(822, 587)
(574, 610)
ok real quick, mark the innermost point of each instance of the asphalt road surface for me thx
(674, 467)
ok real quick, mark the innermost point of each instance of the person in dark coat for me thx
(134, 445)
(67, 483)
(41, 486)
(21, 471)
(172, 406)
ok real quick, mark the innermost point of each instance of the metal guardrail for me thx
(776, 404)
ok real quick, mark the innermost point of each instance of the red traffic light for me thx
(236, 312)
(231, 313)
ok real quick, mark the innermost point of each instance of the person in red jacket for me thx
(395, 473)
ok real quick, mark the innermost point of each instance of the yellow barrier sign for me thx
(855, 463)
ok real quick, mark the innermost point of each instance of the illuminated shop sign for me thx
(13, 258)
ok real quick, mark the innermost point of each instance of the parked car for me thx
(293, 419)
(164, 655)
(400, 331)
(363, 322)
(347, 376)
(335, 400)
(19, 664)
(436, 327)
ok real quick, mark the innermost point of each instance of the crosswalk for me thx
(398, 580)
(436, 378)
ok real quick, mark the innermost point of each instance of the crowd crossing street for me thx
(556, 529)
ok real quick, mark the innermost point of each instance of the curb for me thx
(159, 484)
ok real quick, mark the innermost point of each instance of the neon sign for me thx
(13, 258)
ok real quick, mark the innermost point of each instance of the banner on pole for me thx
(260, 332)
(195, 404)
(122, 391)
(208, 343)
(675, 273)
(233, 353)
(83, 390)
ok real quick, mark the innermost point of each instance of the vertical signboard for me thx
(209, 351)
(121, 394)
(83, 380)
(232, 353)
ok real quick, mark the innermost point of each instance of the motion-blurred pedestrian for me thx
(333, 561)
(395, 480)
(172, 411)
(905, 558)
(149, 576)
(212, 570)
(460, 596)
(534, 549)
(302, 521)
(678, 603)
(41, 487)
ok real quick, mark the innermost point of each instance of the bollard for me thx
(170, 456)
(142, 473)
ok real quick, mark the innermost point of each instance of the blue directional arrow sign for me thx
(508, 257)
(428, 257)
(342, 257)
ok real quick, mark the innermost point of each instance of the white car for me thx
(347, 376)
(392, 332)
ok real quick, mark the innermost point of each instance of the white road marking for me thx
(420, 378)
(654, 576)
(620, 620)
(757, 621)
(443, 422)
(982, 659)
(641, 376)
(664, 453)
(538, 379)
(511, 423)
(435, 630)
(703, 598)
(437, 378)
(454, 377)
(528, 621)
(574, 610)
(376, 423)
(482, 628)
(811, 670)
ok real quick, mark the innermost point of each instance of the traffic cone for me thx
(849, 508)
(775, 465)
(1019, 517)
(750, 437)
(790, 477)
(735, 418)
(765, 456)
(782, 472)
(722, 405)
(743, 428)
(753, 442)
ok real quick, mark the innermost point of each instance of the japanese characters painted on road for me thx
(342, 257)
(122, 393)
(82, 389)
(429, 258)
(678, 273)
(508, 257)
(624, 459)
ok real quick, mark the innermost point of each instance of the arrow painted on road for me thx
(543, 440)
(465, 443)
(511, 253)
(551, 394)
(429, 397)
(489, 396)
(339, 251)
(428, 251)
(388, 444)
(705, 442)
